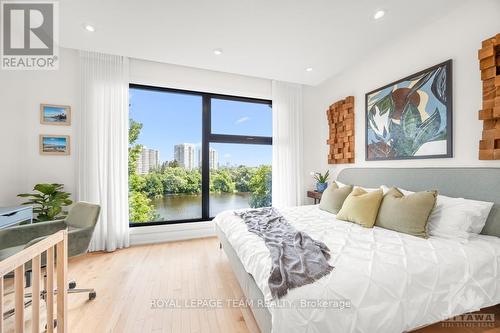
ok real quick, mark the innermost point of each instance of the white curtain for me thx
(287, 144)
(102, 145)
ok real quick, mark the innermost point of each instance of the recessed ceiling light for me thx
(379, 14)
(89, 27)
(309, 69)
(218, 51)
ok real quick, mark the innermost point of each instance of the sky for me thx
(172, 118)
(50, 140)
(52, 111)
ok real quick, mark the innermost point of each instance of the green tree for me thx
(140, 208)
(134, 130)
(241, 177)
(221, 181)
(174, 180)
(136, 183)
(193, 182)
(173, 164)
(153, 185)
(260, 185)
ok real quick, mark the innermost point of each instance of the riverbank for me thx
(188, 206)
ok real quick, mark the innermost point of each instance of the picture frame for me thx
(411, 118)
(52, 114)
(54, 144)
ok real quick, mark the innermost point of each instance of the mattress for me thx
(383, 281)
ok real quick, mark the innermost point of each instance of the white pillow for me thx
(456, 217)
(339, 184)
(367, 189)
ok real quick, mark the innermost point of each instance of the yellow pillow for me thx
(361, 207)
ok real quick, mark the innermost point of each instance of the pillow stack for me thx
(456, 218)
(414, 213)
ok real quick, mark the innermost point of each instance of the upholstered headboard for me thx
(470, 183)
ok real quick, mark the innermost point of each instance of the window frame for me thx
(207, 138)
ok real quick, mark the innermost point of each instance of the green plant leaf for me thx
(42, 218)
(386, 104)
(45, 188)
(37, 201)
(410, 120)
(27, 195)
(427, 130)
(401, 145)
(53, 212)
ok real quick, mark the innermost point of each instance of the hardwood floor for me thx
(129, 280)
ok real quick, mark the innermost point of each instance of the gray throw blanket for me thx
(297, 259)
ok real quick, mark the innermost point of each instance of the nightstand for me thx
(315, 195)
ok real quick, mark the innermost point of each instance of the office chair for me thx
(80, 222)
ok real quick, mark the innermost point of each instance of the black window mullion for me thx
(205, 157)
(240, 99)
(241, 139)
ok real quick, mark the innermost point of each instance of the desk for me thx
(10, 216)
(315, 195)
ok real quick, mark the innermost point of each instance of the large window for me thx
(193, 155)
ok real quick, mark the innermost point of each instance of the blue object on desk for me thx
(10, 216)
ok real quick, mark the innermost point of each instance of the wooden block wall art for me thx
(489, 64)
(341, 135)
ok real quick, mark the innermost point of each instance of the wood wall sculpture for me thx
(341, 138)
(489, 63)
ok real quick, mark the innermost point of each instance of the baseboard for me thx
(171, 232)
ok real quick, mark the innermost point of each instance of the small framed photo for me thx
(55, 114)
(55, 144)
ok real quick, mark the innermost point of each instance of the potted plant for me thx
(321, 180)
(48, 202)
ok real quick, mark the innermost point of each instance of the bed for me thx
(383, 281)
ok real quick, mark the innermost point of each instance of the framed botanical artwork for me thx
(55, 114)
(55, 144)
(411, 118)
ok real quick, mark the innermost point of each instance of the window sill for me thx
(151, 234)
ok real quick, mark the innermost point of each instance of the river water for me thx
(188, 206)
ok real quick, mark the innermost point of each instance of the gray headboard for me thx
(470, 183)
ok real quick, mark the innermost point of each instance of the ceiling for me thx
(275, 39)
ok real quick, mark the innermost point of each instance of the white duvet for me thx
(394, 282)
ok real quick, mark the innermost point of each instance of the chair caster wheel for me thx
(92, 295)
(55, 324)
(72, 285)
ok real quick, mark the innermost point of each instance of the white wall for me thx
(457, 36)
(187, 78)
(21, 92)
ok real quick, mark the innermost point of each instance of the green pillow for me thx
(361, 207)
(333, 198)
(406, 213)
